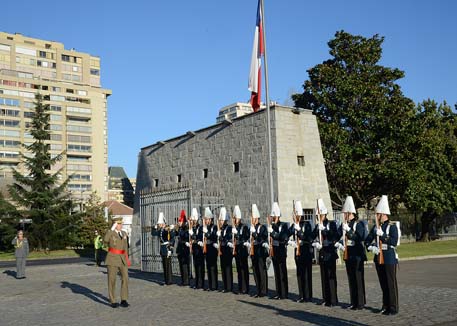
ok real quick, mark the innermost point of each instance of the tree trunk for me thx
(426, 220)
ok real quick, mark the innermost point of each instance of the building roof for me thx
(116, 208)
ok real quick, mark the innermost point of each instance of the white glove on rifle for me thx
(215, 245)
(200, 243)
(191, 232)
(292, 243)
(339, 246)
(373, 249)
(187, 244)
(218, 233)
(247, 244)
(205, 229)
(169, 253)
(229, 244)
(379, 232)
(266, 246)
(253, 229)
(172, 227)
(270, 229)
(346, 227)
(113, 226)
(317, 245)
(296, 227)
(321, 227)
(234, 230)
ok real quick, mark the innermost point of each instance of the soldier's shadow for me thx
(79, 289)
(10, 273)
(310, 317)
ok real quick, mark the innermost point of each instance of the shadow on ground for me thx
(306, 316)
(10, 273)
(79, 289)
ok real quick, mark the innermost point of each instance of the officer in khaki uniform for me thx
(117, 260)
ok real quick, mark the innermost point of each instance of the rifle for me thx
(233, 236)
(296, 233)
(205, 249)
(270, 242)
(219, 252)
(345, 239)
(251, 253)
(190, 238)
(318, 222)
(379, 243)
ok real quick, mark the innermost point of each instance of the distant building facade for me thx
(231, 158)
(234, 111)
(119, 186)
(70, 83)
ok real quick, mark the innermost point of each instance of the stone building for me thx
(231, 158)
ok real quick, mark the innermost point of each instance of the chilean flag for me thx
(255, 76)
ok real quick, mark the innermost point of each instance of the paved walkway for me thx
(76, 294)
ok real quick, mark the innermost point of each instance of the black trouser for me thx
(184, 269)
(328, 279)
(242, 269)
(387, 275)
(356, 279)
(226, 270)
(259, 265)
(304, 278)
(281, 281)
(166, 265)
(98, 256)
(211, 267)
(199, 266)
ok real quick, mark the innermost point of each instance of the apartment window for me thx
(29, 115)
(205, 173)
(156, 183)
(301, 160)
(55, 108)
(236, 167)
(95, 72)
(44, 88)
(65, 58)
(308, 214)
(178, 178)
(69, 90)
(55, 89)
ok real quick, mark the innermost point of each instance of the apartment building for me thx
(70, 83)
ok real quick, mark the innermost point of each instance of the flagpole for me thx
(267, 100)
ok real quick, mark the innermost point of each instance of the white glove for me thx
(317, 245)
(191, 232)
(376, 250)
(218, 233)
(215, 245)
(270, 229)
(234, 231)
(113, 226)
(230, 244)
(321, 227)
(205, 229)
(200, 243)
(247, 244)
(292, 243)
(379, 232)
(296, 227)
(253, 229)
(370, 248)
(266, 246)
(346, 227)
(172, 227)
(187, 244)
(339, 246)
(169, 253)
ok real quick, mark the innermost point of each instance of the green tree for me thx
(39, 193)
(432, 184)
(93, 220)
(363, 120)
(8, 223)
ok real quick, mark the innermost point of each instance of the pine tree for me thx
(39, 193)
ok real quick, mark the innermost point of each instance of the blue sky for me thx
(172, 64)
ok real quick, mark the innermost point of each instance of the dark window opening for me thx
(205, 173)
(156, 182)
(301, 160)
(178, 178)
(236, 167)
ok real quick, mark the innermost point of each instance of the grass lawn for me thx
(419, 249)
(67, 253)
